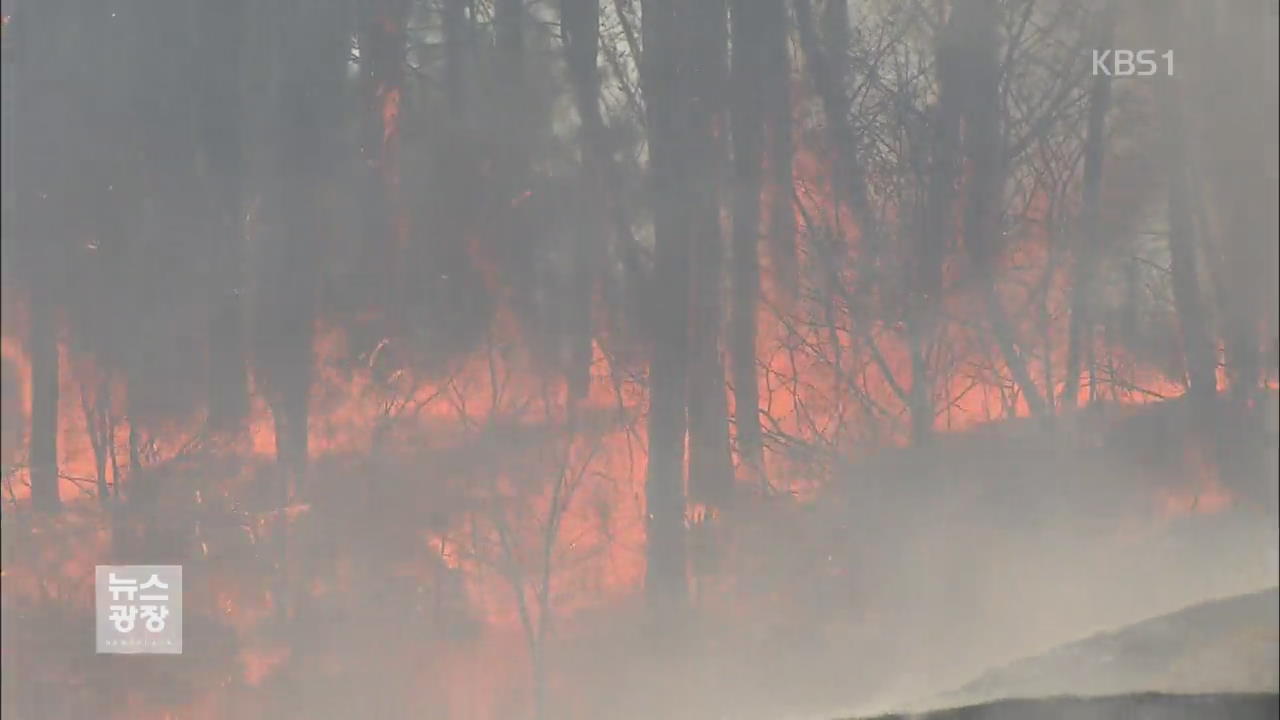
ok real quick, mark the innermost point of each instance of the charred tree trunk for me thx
(825, 62)
(141, 490)
(1197, 340)
(580, 26)
(977, 35)
(43, 339)
(219, 113)
(96, 406)
(1243, 120)
(382, 45)
(580, 23)
(710, 463)
(664, 74)
(521, 120)
(170, 206)
(43, 110)
(1080, 326)
(516, 129)
(747, 116)
(1184, 262)
(454, 22)
(936, 232)
(777, 118)
(312, 44)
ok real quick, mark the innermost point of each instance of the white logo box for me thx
(138, 609)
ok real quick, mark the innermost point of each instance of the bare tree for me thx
(977, 35)
(219, 110)
(1080, 332)
(710, 465)
(311, 63)
(1184, 261)
(751, 27)
(664, 74)
(45, 93)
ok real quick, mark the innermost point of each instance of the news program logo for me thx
(1132, 63)
(139, 609)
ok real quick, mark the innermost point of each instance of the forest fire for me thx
(571, 360)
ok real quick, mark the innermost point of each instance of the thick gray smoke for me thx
(578, 359)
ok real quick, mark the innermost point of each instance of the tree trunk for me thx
(666, 582)
(580, 25)
(219, 114)
(1243, 121)
(1080, 326)
(936, 232)
(747, 116)
(623, 293)
(826, 62)
(776, 70)
(141, 483)
(977, 33)
(710, 463)
(1197, 340)
(1184, 263)
(44, 397)
(96, 406)
(382, 47)
(306, 131)
(43, 112)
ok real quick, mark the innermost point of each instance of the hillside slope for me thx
(1148, 706)
(1227, 645)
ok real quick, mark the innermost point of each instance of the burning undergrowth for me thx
(496, 359)
(474, 526)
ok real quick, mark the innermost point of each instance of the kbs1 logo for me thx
(139, 609)
(1132, 63)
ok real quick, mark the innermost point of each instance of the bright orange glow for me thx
(390, 114)
(489, 439)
